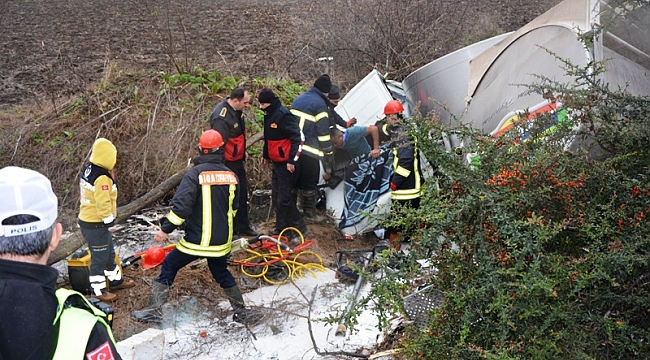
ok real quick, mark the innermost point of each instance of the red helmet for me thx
(393, 107)
(210, 141)
(154, 257)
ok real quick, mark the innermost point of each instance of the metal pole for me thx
(342, 327)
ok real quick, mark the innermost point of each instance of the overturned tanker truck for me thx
(478, 84)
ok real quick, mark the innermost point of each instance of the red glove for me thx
(393, 187)
(350, 123)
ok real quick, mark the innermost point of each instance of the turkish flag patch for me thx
(105, 187)
(104, 352)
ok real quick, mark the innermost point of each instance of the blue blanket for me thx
(366, 179)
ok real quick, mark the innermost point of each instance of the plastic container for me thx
(79, 270)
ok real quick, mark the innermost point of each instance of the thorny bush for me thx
(542, 249)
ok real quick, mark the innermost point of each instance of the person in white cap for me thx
(97, 212)
(38, 321)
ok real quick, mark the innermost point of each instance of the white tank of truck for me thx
(484, 84)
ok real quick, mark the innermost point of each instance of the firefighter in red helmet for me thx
(206, 200)
(393, 107)
(406, 182)
(383, 128)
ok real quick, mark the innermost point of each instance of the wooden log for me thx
(74, 241)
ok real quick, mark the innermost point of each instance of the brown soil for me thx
(54, 49)
(198, 282)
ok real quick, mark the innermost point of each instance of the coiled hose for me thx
(276, 263)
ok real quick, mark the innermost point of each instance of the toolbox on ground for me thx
(79, 270)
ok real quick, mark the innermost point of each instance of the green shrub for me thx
(541, 252)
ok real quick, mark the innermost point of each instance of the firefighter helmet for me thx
(153, 257)
(393, 107)
(210, 141)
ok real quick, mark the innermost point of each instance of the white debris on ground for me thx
(293, 327)
(285, 333)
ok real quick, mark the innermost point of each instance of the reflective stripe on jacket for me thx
(207, 200)
(76, 325)
(98, 197)
(407, 174)
(313, 114)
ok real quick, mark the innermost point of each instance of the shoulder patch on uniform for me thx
(223, 112)
(217, 178)
(274, 126)
(105, 187)
(103, 352)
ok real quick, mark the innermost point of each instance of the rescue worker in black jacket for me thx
(206, 200)
(282, 146)
(384, 132)
(37, 321)
(311, 109)
(227, 119)
(406, 182)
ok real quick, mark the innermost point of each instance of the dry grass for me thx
(154, 129)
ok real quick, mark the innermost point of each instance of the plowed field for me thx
(53, 49)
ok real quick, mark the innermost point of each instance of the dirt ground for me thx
(196, 281)
(54, 49)
(58, 48)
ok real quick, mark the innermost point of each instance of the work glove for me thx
(350, 123)
(393, 186)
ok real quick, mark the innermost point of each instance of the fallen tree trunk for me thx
(74, 241)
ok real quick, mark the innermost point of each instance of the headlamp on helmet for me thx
(210, 141)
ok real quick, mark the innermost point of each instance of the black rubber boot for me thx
(153, 312)
(296, 195)
(242, 315)
(309, 198)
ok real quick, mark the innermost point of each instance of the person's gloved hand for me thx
(350, 123)
(393, 187)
